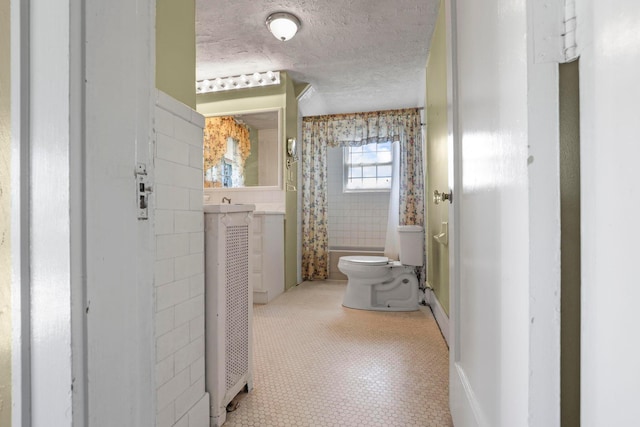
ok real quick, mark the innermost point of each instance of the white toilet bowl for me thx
(376, 283)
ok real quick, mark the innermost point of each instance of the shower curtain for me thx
(392, 244)
(320, 132)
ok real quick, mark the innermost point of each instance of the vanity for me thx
(267, 274)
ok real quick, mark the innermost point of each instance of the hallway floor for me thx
(317, 364)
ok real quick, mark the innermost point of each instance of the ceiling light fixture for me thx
(238, 82)
(283, 25)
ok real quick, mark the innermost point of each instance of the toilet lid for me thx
(366, 260)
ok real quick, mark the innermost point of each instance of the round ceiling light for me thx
(283, 25)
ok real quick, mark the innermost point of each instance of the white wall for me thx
(609, 47)
(355, 220)
(179, 266)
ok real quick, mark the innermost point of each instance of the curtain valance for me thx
(356, 129)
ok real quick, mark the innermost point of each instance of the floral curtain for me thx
(315, 241)
(320, 132)
(216, 132)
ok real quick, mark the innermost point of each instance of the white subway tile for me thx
(163, 221)
(190, 265)
(196, 285)
(181, 336)
(170, 173)
(166, 416)
(197, 119)
(171, 245)
(189, 398)
(189, 133)
(197, 370)
(169, 148)
(199, 414)
(172, 105)
(164, 321)
(164, 371)
(196, 242)
(164, 122)
(183, 422)
(189, 354)
(172, 294)
(163, 272)
(196, 327)
(165, 346)
(171, 197)
(173, 388)
(196, 157)
(196, 200)
(188, 310)
(188, 221)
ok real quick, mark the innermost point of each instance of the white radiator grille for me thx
(237, 305)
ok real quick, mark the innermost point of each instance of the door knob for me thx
(441, 197)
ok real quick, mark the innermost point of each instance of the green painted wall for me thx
(291, 185)
(570, 244)
(437, 161)
(5, 206)
(176, 49)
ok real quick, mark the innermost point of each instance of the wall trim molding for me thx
(438, 312)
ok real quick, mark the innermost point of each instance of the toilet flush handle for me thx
(441, 197)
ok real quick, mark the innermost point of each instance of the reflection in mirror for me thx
(241, 150)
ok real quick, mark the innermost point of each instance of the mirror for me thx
(242, 150)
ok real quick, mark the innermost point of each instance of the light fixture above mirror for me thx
(283, 25)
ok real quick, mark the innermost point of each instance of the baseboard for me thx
(260, 296)
(463, 402)
(438, 312)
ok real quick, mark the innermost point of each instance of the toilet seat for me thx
(366, 260)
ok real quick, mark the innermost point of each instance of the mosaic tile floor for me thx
(319, 364)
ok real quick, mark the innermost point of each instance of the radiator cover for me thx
(229, 300)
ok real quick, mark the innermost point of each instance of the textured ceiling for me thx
(358, 55)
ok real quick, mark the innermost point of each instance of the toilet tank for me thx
(411, 244)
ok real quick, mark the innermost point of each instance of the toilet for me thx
(378, 283)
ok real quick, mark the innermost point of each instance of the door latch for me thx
(142, 191)
(441, 197)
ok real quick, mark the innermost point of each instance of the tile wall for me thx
(356, 220)
(179, 268)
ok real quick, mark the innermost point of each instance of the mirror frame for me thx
(279, 186)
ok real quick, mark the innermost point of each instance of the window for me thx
(367, 168)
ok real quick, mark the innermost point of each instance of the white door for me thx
(504, 241)
(609, 47)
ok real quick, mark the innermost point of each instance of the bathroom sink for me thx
(227, 208)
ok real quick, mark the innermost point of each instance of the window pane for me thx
(355, 172)
(384, 157)
(368, 167)
(369, 148)
(385, 146)
(369, 171)
(384, 171)
(371, 157)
